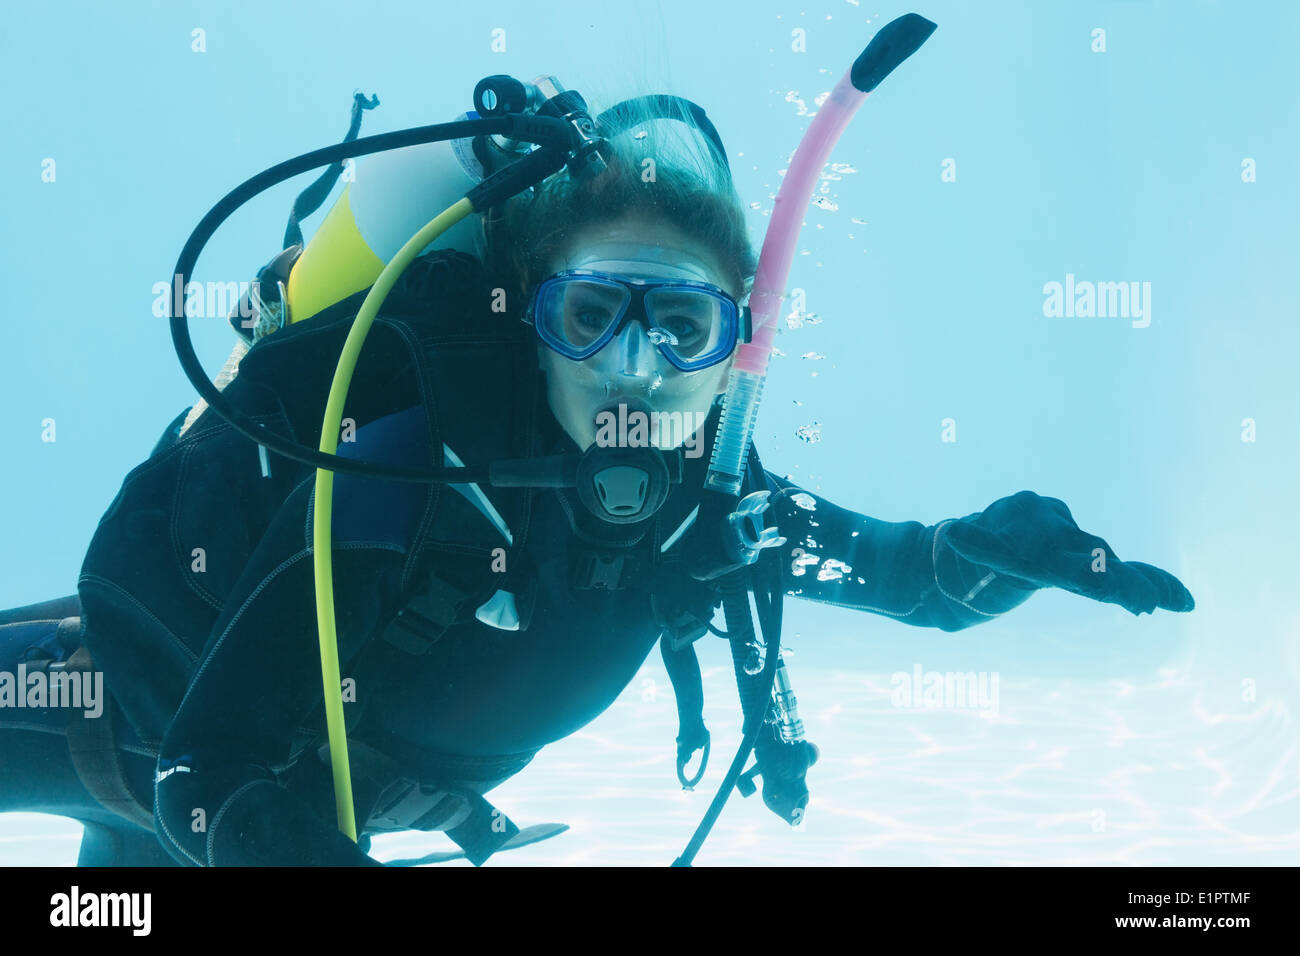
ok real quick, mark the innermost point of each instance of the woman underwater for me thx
(476, 624)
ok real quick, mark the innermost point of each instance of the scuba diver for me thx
(525, 481)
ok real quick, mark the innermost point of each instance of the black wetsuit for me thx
(199, 606)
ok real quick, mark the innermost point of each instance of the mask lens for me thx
(577, 312)
(696, 319)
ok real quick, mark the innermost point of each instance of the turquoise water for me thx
(1169, 739)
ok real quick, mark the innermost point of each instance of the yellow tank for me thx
(393, 194)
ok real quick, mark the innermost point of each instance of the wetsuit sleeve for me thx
(218, 799)
(904, 570)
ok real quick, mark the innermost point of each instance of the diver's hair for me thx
(691, 188)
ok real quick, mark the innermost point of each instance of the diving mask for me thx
(693, 324)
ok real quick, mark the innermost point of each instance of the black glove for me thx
(1035, 542)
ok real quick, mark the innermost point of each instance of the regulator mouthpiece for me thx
(746, 524)
(626, 485)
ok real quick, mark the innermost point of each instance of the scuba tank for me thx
(392, 196)
(396, 192)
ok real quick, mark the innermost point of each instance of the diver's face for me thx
(630, 370)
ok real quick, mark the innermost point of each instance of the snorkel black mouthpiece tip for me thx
(499, 94)
(892, 44)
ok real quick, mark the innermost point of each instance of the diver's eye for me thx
(593, 320)
(588, 309)
(685, 329)
(691, 317)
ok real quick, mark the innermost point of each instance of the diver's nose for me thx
(637, 356)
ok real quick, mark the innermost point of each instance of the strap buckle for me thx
(607, 571)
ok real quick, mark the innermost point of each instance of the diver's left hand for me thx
(1035, 539)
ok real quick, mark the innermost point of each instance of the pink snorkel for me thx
(893, 44)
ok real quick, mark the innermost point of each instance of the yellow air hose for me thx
(322, 539)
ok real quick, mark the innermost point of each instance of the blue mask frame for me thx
(736, 323)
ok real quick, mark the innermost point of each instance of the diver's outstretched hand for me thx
(1034, 539)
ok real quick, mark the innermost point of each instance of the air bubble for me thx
(810, 433)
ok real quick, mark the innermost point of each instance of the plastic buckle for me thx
(606, 572)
